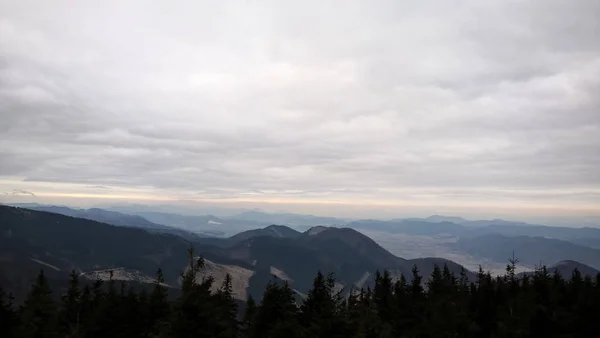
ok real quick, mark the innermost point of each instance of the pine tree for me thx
(87, 309)
(541, 322)
(8, 317)
(401, 306)
(249, 317)
(321, 311)
(70, 311)
(383, 295)
(416, 315)
(38, 314)
(440, 309)
(277, 315)
(158, 305)
(227, 324)
(354, 313)
(485, 313)
(193, 312)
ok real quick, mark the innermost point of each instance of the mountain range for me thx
(31, 240)
(530, 250)
(94, 240)
(113, 218)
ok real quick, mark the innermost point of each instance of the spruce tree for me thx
(227, 324)
(322, 310)
(277, 316)
(8, 316)
(158, 305)
(416, 316)
(401, 306)
(70, 309)
(249, 316)
(38, 314)
(193, 312)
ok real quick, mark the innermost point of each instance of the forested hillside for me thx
(541, 305)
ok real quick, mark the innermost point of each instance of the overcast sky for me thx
(364, 104)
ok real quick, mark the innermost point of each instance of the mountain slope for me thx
(115, 218)
(67, 243)
(279, 231)
(566, 269)
(365, 246)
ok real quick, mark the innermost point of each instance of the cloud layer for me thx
(345, 100)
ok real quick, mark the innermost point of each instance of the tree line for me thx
(541, 304)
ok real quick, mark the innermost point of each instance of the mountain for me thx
(564, 233)
(529, 250)
(179, 208)
(565, 268)
(436, 225)
(285, 218)
(365, 246)
(350, 255)
(207, 224)
(31, 240)
(465, 222)
(589, 242)
(411, 227)
(279, 231)
(114, 218)
(439, 219)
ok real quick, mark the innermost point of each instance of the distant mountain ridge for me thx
(567, 268)
(529, 250)
(287, 218)
(411, 227)
(114, 218)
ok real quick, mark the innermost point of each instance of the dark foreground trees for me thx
(542, 304)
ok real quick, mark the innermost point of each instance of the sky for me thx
(326, 107)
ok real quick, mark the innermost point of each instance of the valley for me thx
(414, 246)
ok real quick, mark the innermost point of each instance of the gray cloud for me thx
(344, 99)
(99, 187)
(21, 192)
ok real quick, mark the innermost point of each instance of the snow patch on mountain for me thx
(120, 274)
(240, 277)
(316, 230)
(363, 279)
(280, 274)
(276, 232)
(45, 264)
